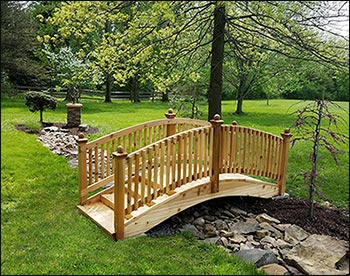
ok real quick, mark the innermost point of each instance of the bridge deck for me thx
(165, 206)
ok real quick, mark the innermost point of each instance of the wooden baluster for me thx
(167, 167)
(140, 139)
(136, 181)
(129, 192)
(200, 153)
(82, 167)
(155, 170)
(108, 158)
(96, 163)
(90, 166)
(284, 161)
(254, 153)
(173, 162)
(135, 141)
(205, 152)
(149, 175)
(119, 192)
(113, 150)
(244, 150)
(216, 154)
(129, 142)
(260, 154)
(161, 171)
(239, 149)
(102, 149)
(143, 177)
(190, 168)
(179, 161)
(247, 149)
(277, 155)
(234, 147)
(195, 155)
(185, 160)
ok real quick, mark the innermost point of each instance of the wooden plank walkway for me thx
(165, 206)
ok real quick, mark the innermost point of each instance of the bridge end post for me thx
(216, 154)
(171, 128)
(82, 141)
(119, 158)
(284, 161)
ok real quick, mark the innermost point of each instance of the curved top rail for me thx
(257, 130)
(148, 124)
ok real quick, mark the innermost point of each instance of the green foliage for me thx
(18, 45)
(38, 101)
(7, 88)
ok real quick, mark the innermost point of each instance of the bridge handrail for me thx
(95, 158)
(161, 167)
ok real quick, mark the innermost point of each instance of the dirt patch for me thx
(71, 130)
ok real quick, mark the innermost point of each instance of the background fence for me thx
(87, 93)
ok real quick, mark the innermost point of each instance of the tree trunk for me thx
(239, 108)
(135, 91)
(165, 96)
(217, 56)
(69, 94)
(108, 98)
(41, 116)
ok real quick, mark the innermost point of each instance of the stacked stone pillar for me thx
(74, 114)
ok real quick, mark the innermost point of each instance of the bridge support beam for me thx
(216, 153)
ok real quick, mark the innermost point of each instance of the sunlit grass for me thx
(41, 229)
(42, 232)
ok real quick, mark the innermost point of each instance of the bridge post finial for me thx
(284, 161)
(171, 127)
(216, 155)
(170, 114)
(82, 166)
(119, 159)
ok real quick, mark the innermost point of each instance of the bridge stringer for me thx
(190, 194)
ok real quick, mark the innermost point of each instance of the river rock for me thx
(274, 269)
(317, 255)
(295, 234)
(245, 227)
(258, 257)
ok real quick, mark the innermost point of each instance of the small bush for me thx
(38, 101)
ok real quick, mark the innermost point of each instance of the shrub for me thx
(38, 101)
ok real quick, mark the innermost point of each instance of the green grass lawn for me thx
(42, 232)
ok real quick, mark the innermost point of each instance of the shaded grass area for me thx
(42, 232)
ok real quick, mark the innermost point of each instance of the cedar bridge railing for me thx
(161, 160)
(96, 169)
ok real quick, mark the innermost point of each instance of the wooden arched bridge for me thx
(135, 178)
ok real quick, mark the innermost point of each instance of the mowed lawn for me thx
(42, 232)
